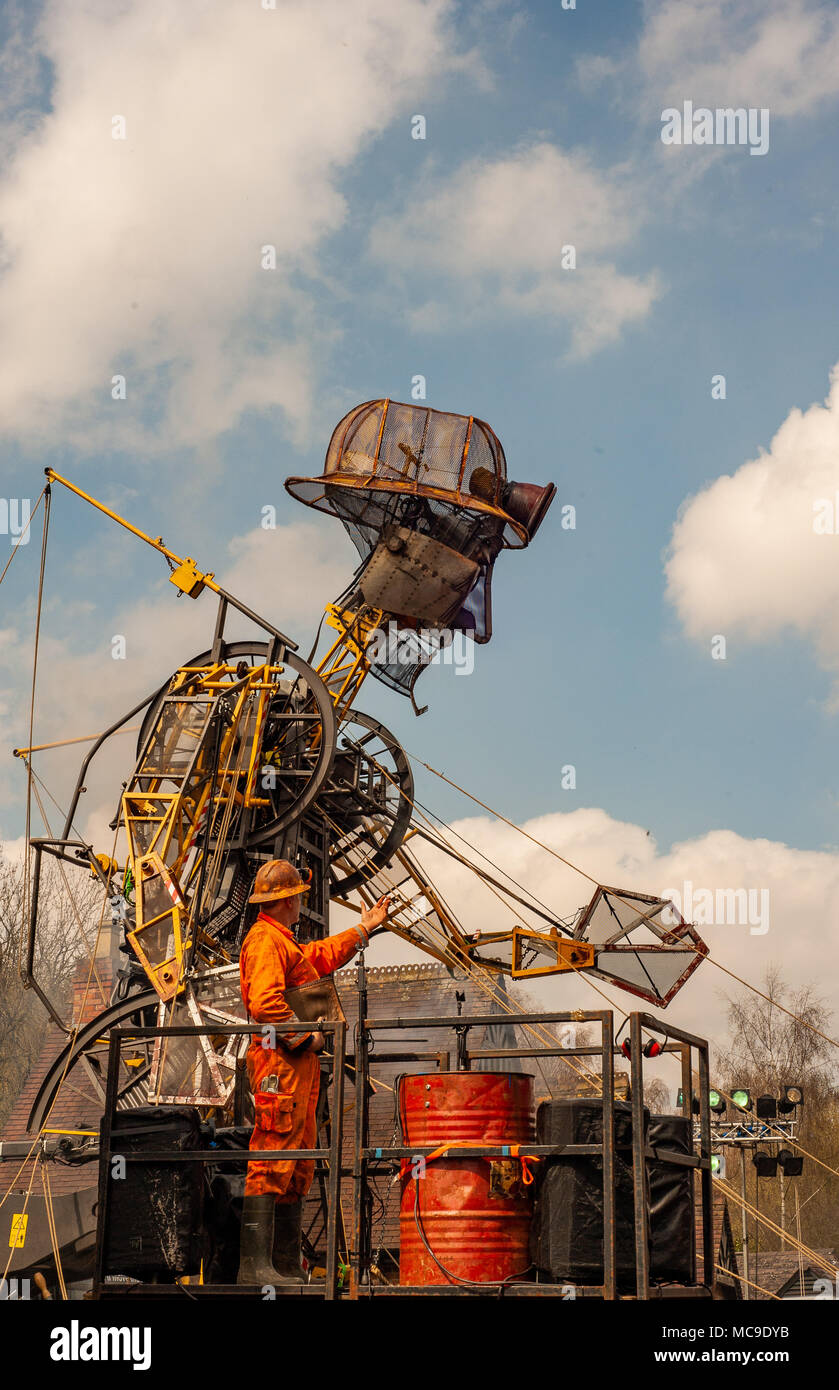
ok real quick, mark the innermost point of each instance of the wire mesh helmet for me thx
(383, 454)
(397, 469)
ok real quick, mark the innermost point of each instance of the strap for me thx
(515, 1152)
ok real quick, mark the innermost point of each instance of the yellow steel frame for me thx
(163, 809)
(346, 664)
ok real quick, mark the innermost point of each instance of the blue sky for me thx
(439, 257)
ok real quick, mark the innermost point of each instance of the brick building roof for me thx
(779, 1272)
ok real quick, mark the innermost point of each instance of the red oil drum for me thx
(465, 1219)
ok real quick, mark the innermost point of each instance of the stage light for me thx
(766, 1164)
(741, 1099)
(680, 1101)
(718, 1165)
(717, 1102)
(792, 1165)
(791, 1096)
(766, 1108)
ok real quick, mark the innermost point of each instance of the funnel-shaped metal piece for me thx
(641, 943)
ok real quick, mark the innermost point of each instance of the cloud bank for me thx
(756, 554)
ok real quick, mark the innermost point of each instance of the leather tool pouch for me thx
(318, 999)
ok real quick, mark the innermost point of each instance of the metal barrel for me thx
(464, 1220)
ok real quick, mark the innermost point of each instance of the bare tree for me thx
(765, 1050)
(656, 1095)
(67, 923)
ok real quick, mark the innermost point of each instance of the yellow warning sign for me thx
(17, 1238)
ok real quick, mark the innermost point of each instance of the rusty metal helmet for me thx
(278, 879)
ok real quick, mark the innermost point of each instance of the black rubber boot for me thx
(286, 1248)
(255, 1242)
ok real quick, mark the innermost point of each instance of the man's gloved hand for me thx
(318, 1041)
(373, 917)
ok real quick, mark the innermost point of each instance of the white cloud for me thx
(803, 888)
(494, 231)
(780, 54)
(142, 256)
(745, 557)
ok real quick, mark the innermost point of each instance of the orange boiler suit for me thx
(271, 961)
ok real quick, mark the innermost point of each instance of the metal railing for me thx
(331, 1155)
(367, 1158)
(370, 1159)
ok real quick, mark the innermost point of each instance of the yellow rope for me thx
(740, 1278)
(53, 1229)
(772, 1226)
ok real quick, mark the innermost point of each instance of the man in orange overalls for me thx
(285, 1078)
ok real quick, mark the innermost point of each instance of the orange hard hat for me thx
(278, 879)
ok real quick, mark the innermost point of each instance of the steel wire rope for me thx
(767, 1221)
(53, 1229)
(13, 1245)
(460, 960)
(556, 855)
(47, 496)
(613, 1004)
(793, 1142)
(476, 973)
(19, 542)
(742, 1280)
(171, 1004)
(71, 896)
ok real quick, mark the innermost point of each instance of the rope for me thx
(496, 893)
(463, 962)
(20, 1214)
(742, 1280)
(72, 899)
(70, 1046)
(612, 1004)
(16, 548)
(65, 742)
(53, 1228)
(46, 494)
(771, 1226)
(211, 882)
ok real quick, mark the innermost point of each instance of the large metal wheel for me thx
(84, 1061)
(367, 802)
(299, 738)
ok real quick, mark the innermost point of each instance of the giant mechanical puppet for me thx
(251, 753)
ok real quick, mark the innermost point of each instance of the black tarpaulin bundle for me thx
(567, 1231)
(155, 1220)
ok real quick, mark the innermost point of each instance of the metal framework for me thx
(367, 1160)
(250, 752)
